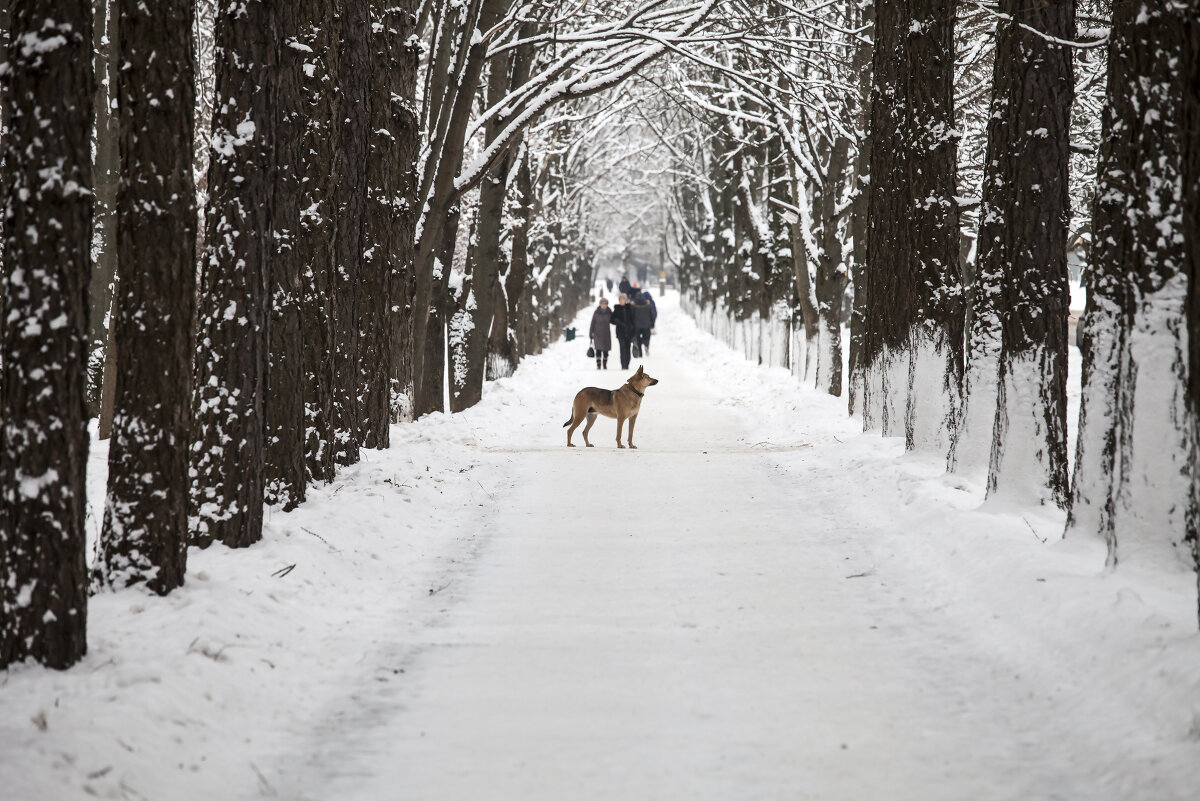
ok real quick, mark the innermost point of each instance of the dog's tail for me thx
(569, 419)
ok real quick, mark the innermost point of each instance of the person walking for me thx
(600, 333)
(644, 316)
(622, 319)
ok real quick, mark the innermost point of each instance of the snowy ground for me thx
(759, 603)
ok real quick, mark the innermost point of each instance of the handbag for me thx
(591, 352)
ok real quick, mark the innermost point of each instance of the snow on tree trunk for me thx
(391, 23)
(1134, 475)
(935, 277)
(145, 531)
(1190, 225)
(315, 230)
(504, 349)
(484, 254)
(831, 272)
(284, 418)
(887, 297)
(354, 83)
(228, 443)
(43, 332)
(407, 147)
(1022, 295)
(861, 67)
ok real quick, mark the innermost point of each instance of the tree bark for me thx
(316, 236)
(934, 279)
(403, 279)
(1190, 116)
(391, 22)
(228, 449)
(889, 298)
(1133, 468)
(832, 276)
(435, 248)
(353, 154)
(859, 213)
(300, 23)
(504, 347)
(44, 333)
(144, 535)
(106, 177)
(484, 266)
(1024, 249)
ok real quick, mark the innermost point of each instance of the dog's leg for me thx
(620, 422)
(591, 418)
(575, 421)
(632, 420)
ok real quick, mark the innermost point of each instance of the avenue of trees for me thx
(941, 163)
(337, 216)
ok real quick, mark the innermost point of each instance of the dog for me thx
(622, 403)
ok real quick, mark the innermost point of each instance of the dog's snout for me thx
(655, 381)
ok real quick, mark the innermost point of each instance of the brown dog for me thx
(622, 403)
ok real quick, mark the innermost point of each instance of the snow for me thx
(758, 603)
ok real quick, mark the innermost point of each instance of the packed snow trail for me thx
(761, 602)
(703, 618)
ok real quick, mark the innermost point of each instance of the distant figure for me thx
(601, 336)
(626, 287)
(644, 316)
(608, 282)
(622, 318)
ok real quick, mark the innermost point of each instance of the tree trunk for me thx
(1024, 249)
(316, 236)
(859, 214)
(484, 267)
(408, 145)
(934, 279)
(351, 167)
(106, 176)
(44, 325)
(227, 459)
(385, 178)
(1133, 460)
(889, 296)
(1190, 116)
(505, 349)
(805, 286)
(831, 273)
(435, 249)
(300, 22)
(144, 536)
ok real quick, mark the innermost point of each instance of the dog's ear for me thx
(640, 369)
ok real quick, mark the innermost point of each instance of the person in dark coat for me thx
(644, 316)
(626, 287)
(622, 320)
(600, 333)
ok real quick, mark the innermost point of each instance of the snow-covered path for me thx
(759, 603)
(706, 618)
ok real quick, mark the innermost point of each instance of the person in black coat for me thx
(600, 333)
(626, 287)
(644, 317)
(622, 319)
